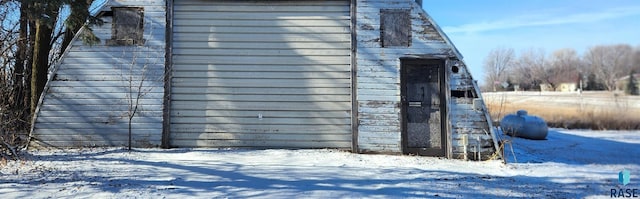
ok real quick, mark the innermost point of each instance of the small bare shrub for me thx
(13, 121)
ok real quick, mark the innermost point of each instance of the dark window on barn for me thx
(463, 94)
(127, 26)
(395, 27)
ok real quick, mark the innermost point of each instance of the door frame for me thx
(443, 152)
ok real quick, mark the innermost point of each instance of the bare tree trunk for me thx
(29, 64)
(21, 53)
(20, 73)
(130, 118)
(40, 66)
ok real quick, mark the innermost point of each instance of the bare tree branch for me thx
(610, 62)
(497, 64)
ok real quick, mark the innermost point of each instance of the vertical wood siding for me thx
(267, 74)
(86, 100)
(378, 80)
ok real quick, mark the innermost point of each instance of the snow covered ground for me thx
(570, 164)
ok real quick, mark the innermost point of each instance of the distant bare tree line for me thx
(597, 69)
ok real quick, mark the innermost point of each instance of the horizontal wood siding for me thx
(86, 101)
(469, 121)
(261, 74)
(378, 78)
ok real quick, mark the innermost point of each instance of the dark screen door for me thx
(423, 107)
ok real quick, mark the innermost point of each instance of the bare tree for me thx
(522, 76)
(497, 64)
(565, 67)
(13, 124)
(13, 112)
(538, 69)
(137, 79)
(609, 62)
(140, 76)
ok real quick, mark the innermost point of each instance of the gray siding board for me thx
(258, 60)
(108, 84)
(382, 140)
(303, 31)
(377, 97)
(262, 98)
(81, 141)
(263, 68)
(152, 72)
(255, 120)
(261, 91)
(96, 77)
(379, 148)
(261, 3)
(105, 113)
(85, 103)
(120, 108)
(262, 106)
(97, 119)
(257, 137)
(267, 23)
(254, 52)
(260, 128)
(268, 114)
(96, 128)
(255, 37)
(262, 143)
(75, 95)
(71, 101)
(267, 16)
(262, 75)
(115, 55)
(261, 83)
(277, 45)
(254, 8)
(121, 134)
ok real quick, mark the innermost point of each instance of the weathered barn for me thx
(370, 76)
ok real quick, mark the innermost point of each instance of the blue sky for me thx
(477, 27)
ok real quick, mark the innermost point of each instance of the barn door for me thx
(261, 74)
(423, 107)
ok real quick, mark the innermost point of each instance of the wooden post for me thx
(166, 114)
(478, 147)
(354, 82)
(465, 142)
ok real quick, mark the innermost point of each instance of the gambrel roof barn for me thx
(370, 76)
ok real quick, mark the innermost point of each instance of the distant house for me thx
(623, 82)
(546, 87)
(562, 87)
(565, 81)
(370, 76)
(567, 87)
